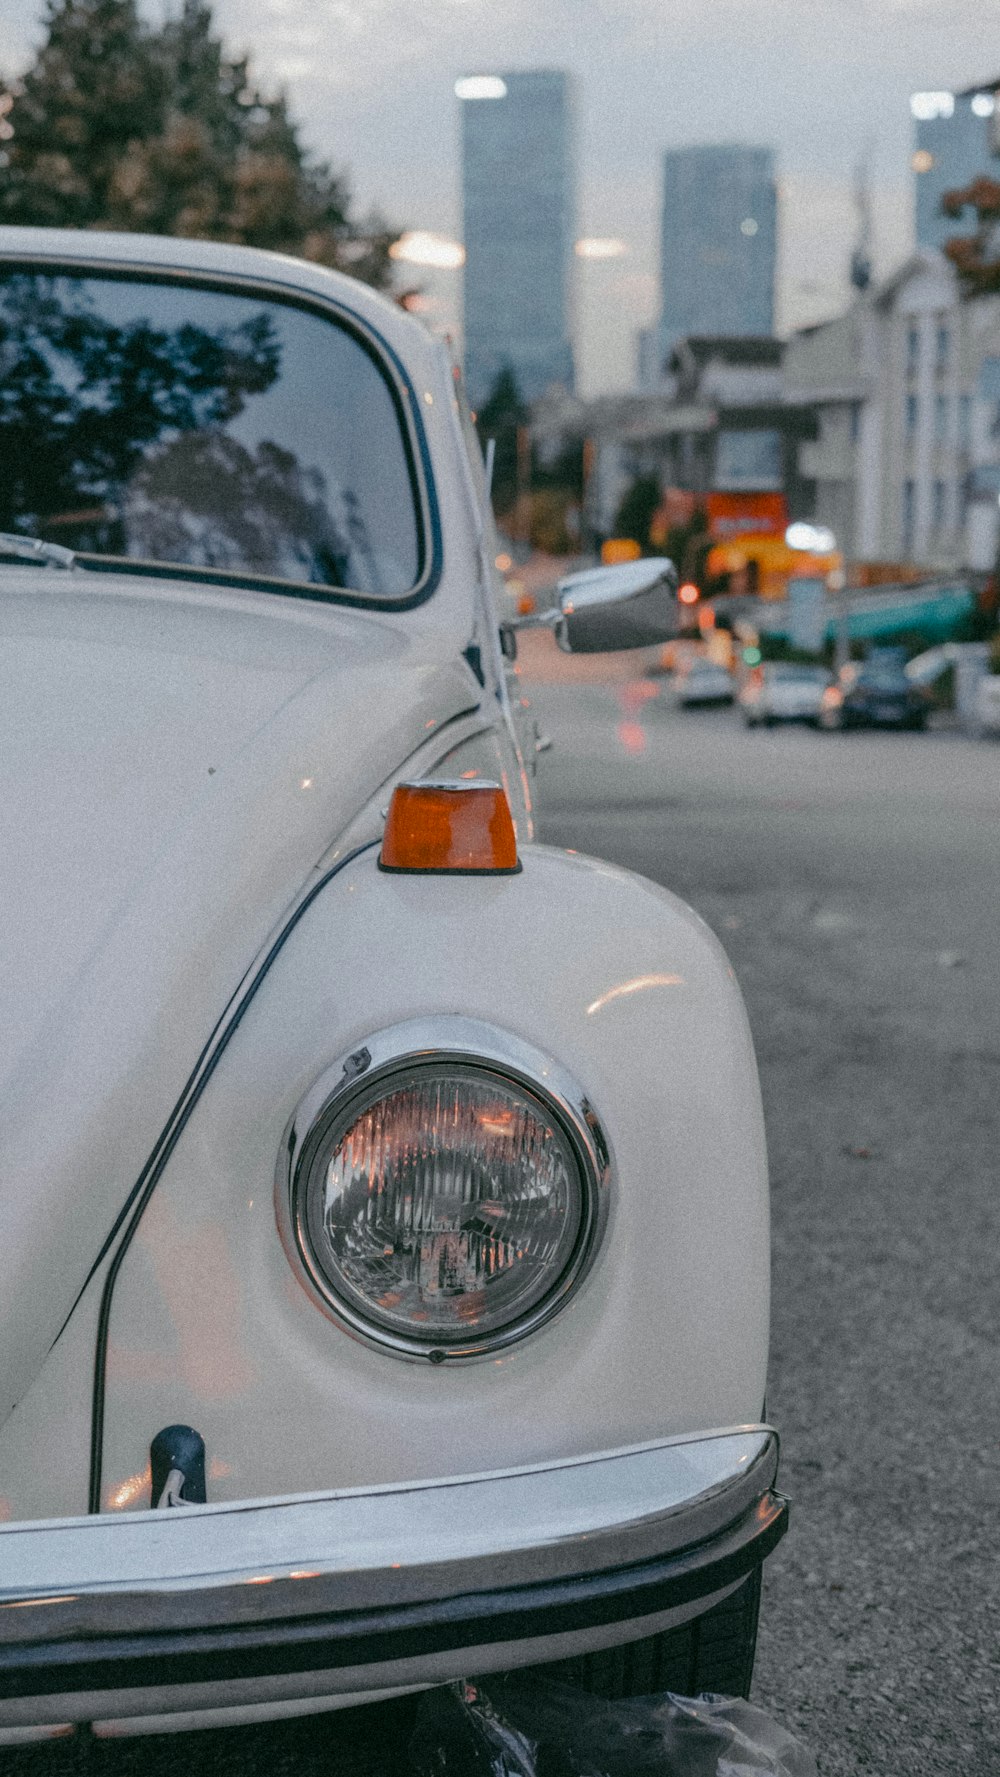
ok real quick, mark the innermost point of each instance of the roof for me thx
(981, 86)
(97, 250)
(733, 348)
(923, 260)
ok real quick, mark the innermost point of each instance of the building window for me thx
(989, 393)
(964, 421)
(911, 418)
(855, 421)
(912, 347)
(964, 492)
(940, 419)
(909, 513)
(943, 346)
(937, 508)
(748, 459)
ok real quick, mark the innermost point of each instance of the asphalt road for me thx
(854, 881)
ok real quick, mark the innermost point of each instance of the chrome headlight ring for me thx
(432, 1047)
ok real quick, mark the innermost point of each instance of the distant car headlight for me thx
(448, 1193)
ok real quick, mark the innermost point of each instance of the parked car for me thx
(704, 682)
(384, 1296)
(874, 694)
(781, 691)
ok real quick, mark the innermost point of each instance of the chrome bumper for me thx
(401, 1584)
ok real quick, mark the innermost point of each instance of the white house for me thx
(906, 390)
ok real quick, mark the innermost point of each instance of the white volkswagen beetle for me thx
(383, 1205)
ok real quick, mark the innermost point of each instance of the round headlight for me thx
(443, 1206)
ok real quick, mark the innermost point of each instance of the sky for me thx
(825, 82)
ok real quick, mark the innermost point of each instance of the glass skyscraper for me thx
(518, 188)
(718, 243)
(957, 136)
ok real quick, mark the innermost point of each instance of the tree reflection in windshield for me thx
(121, 435)
(252, 507)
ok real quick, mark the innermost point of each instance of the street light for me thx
(481, 86)
(598, 247)
(419, 246)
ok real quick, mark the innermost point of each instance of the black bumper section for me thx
(374, 1638)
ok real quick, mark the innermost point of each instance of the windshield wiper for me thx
(53, 555)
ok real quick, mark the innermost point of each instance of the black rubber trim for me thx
(373, 1638)
(151, 1174)
(450, 870)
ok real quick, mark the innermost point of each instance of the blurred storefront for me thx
(719, 427)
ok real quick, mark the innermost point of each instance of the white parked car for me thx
(704, 682)
(384, 1291)
(781, 691)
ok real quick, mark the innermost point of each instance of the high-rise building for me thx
(957, 136)
(717, 252)
(518, 188)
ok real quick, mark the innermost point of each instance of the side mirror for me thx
(628, 605)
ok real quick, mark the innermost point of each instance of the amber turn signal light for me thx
(463, 828)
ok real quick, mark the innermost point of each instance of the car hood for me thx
(807, 695)
(175, 760)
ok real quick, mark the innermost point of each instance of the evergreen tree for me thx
(119, 125)
(503, 418)
(94, 88)
(635, 514)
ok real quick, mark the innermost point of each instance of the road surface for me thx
(855, 881)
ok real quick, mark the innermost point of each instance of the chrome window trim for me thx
(474, 1044)
(335, 312)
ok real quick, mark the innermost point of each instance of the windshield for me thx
(883, 678)
(165, 422)
(799, 675)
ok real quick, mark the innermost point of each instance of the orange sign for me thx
(746, 515)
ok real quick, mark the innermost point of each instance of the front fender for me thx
(622, 986)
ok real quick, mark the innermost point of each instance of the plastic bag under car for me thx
(520, 1727)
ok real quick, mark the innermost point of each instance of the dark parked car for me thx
(874, 694)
